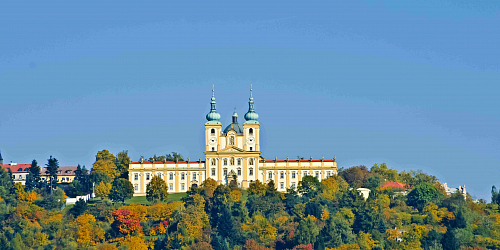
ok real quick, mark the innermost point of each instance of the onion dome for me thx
(234, 125)
(251, 117)
(213, 117)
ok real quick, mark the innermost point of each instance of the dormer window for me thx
(20, 169)
(26, 169)
(68, 171)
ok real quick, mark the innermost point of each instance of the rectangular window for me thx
(282, 185)
(213, 171)
(305, 174)
(136, 177)
(171, 186)
(136, 187)
(317, 175)
(239, 171)
(270, 175)
(182, 176)
(147, 177)
(293, 175)
(225, 162)
(171, 176)
(282, 175)
(328, 174)
(194, 176)
(239, 162)
(251, 148)
(182, 186)
(293, 185)
(251, 171)
(225, 172)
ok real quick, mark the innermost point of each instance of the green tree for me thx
(495, 195)
(421, 194)
(105, 163)
(355, 176)
(309, 187)
(257, 188)
(33, 179)
(52, 168)
(83, 178)
(307, 231)
(157, 190)
(121, 190)
(122, 163)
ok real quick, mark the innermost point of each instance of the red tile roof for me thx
(394, 185)
(15, 168)
(325, 160)
(168, 162)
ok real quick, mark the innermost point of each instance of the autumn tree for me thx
(257, 188)
(102, 190)
(126, 223)
(122, 163)
(209, 185)
(121, 190)
(156, 190)
(105, 164)
(87, 231)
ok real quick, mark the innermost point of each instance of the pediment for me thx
(232, 149)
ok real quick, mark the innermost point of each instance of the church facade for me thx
(230, 151)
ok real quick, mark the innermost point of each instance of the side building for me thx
(232, 151)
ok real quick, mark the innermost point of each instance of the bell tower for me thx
(212, 127)
(251, 127)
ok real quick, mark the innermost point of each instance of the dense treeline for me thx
(316, 215)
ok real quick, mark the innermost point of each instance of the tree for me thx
(106, 163)
(309, 186)
(82, 176)
(354, 176)
(209, 185)
(157, 190)
(257, 188)
(307, 231)
(122, 163)
(52, 168)
(121, 190)
(495, 195)
(102, 190)
(33, 179)
(421, 194)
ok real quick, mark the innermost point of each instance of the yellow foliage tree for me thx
(333, 185)
(139, 209)
(163, 211)
(235, 195)
(346, 247)
(209, 185)
(194, 219)
(134, 243)
(87, 232)
(102, 190)
(365, 241)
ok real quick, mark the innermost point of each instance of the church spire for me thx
(213, 117)
(251, 116)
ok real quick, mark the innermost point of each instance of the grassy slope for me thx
(142, 199)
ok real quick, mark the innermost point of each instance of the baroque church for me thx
(230, 152)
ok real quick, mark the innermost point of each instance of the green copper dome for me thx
(251, 117)
(213, 117)
(234, 125)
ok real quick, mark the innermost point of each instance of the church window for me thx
(293, 175)
(171, 176)
(194, 176)
(239, 171)
(231, 140)
(136, 187)
(136, 177)
(182, 186)
(270, 175)
(213, 162)
(225, 162)
(213, 171)
(282, 175)
(232, 161)
(250, 171)
(282, 185)
(182, 176)
(251, 149)
(251, 161)
(147, 177)
(239, 162)
(250, 131)
(212, 131)
(171, 186)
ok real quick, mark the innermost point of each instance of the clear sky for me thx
(414, 84)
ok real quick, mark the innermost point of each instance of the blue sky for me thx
(413, 84)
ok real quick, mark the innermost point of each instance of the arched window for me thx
(212, 131)
(213, 162)
(251, 131)
(251, 161)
